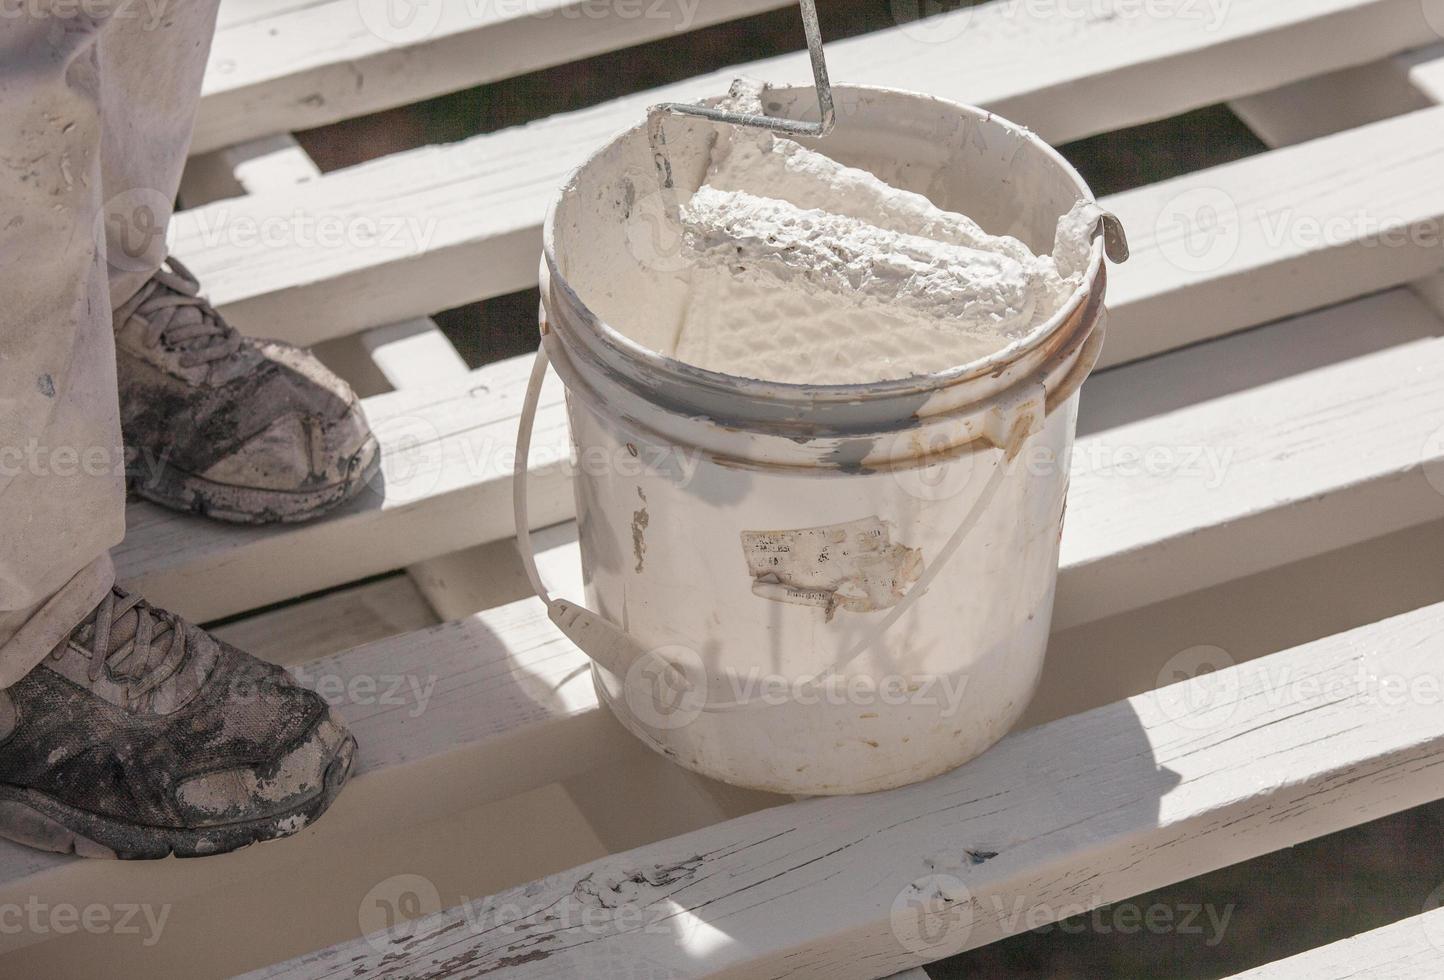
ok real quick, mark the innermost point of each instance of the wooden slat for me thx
(1331, 103)
(500, 697)
(445, 484)
(1275, 234)
(411, 355)
(1315, 107)
(1299, 465)
(461, 222)
(260, 165)
(439, 755)
(448, 719)
(329, 624)
(1412, 949)
(414, 353)
(1425, 70)
(300, 65)
(297, 67)
(1084, 811)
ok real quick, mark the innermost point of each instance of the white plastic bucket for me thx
(816, 589)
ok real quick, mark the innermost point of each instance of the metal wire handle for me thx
(827, 114)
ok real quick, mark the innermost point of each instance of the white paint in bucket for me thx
(824, 589)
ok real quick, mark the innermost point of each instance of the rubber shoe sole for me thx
(189, 493)
(37, 820)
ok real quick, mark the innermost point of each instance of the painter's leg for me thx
(152, 59)
(223, 425)
(62, 491)
(124, 730)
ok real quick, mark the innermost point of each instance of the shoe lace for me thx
(154, 648)
(173, 313)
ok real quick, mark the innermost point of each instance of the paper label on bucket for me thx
(854, 566)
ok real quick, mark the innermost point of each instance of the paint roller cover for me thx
(823, 242)
(756, 237)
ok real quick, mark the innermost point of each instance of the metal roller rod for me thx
(827, 115)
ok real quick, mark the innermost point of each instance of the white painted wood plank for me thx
(1425, 68)
(1087, 810)
(259, 165)
(408, 354)
(326, 625)
(291, 893)
(462, 221)
(467, 581)
(1242, 482)
(1293, 229)
(501, 697)
(1116, 662)
(1412, 949)
(1315, 107)
(1054, 67)
(1331, 103)
(414, 353)
(298, 66)
(445, 484)
(447, 719)
(233, 12)
(266, 164)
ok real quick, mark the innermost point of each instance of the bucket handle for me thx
(616, 650)
(600, 639)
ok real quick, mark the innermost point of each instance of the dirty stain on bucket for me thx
(843, 588)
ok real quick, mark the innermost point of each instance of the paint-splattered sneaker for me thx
(242, 430)
(141, 736)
